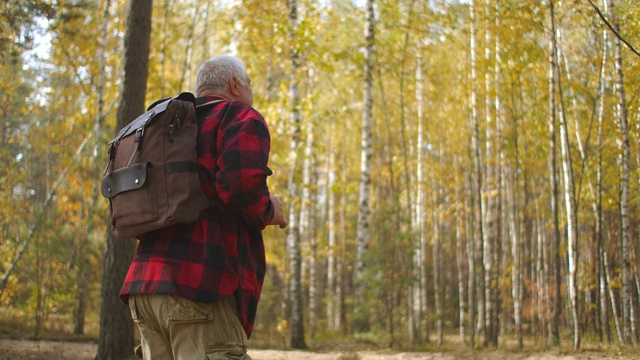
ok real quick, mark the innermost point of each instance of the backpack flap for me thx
(141, 121)
(125, 179)
(155, 109)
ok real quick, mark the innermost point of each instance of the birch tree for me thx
(597, 206)
(420, 271)
(569, 195)
(489, 196)
(296, 309)
(624, 163)
(307, 224)
(554, 247)
(361, 315)
(478, 232)
(332, 258)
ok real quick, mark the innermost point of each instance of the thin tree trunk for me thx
(489, 192)
(80, 308)
(437, 249)
(361, 321)
(601, 281)
(502, 239)
(205, 32)
(390, 192)
(459, 216)
(636, 283)
(296, 321)
(116, 327)
(516, 247)
(307, 225)
(83, 259)
(625, 296)
(422, 297)
(163, 62)
(479, 236)
(331, 235)
(341, 313)
(543, 275)
(419, 266)
(554, 248)
(189, 45)
(612, 297)
(472, 259)
(570, 203)
(42, 267)
(596, 206)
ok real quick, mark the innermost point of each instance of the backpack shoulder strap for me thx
(199, 106)
(209, 103)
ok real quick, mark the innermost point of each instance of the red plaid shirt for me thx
(221, 254)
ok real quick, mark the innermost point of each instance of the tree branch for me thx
(604, 19)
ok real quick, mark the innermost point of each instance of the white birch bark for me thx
(489, 191)
(361, 317)
(542, 276)
(331, 238)
(340, 270)
(554, 247)
(307, 224)
(597, 203)
(625, 296)
(502, 232)
(570, 206)
(612, 297)
(296, 322)
(420, 271)
(516, 248)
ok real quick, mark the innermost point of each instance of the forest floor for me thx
(17, 349)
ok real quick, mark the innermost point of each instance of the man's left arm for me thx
(242, 181)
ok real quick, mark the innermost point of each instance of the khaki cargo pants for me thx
(175, 328)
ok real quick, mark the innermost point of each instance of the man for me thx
(193, 289)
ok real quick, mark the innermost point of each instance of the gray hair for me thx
(214, 74)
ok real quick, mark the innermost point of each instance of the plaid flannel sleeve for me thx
(241, 181)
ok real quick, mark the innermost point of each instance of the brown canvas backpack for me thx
(151, 178)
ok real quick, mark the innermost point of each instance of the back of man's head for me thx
(214, 74)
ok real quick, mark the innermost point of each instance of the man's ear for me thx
(234, 86)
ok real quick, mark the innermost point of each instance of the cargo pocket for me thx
(223, 351)
(181, 310)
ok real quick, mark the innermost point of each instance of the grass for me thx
(15, 327)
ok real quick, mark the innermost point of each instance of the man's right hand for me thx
(278, 213)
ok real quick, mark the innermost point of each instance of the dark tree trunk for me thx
(116, 327)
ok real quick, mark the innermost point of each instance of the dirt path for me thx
(30, 349)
